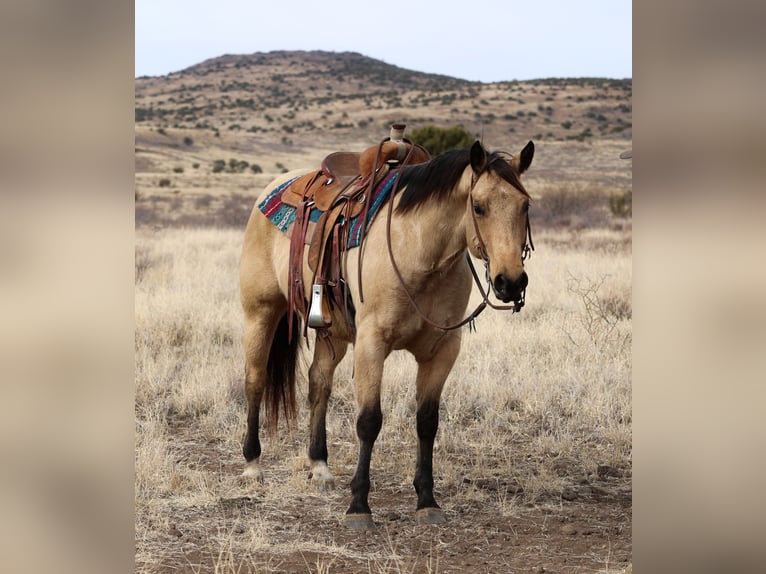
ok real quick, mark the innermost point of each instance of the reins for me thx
(403, 163)
(528, 247)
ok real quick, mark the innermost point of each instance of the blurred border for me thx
(699, 285)
(66, 286)
(66, 276)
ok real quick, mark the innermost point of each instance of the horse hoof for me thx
(253, 470)
(323, 485)
(359, 521)
(321, 477)
(430, 516)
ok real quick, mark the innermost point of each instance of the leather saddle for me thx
(340, 190)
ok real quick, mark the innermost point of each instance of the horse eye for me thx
(478, 209)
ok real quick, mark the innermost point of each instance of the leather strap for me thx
(296, 297)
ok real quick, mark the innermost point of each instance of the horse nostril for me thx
(500, 283)
(505, 286)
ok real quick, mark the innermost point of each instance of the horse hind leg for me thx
(432, 374)
(321, 373)
(270, 366)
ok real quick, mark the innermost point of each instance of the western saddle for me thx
(340, 190)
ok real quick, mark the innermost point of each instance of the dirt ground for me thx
(491, 527)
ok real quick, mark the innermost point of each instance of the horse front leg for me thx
(369, 356)
(321, 375)
(432, 374)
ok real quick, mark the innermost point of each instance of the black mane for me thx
(437, 178)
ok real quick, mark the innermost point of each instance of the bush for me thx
(438, 140)
(237, 165)
(178, 169)
(188, 141)
(621, 205)
(164, 182)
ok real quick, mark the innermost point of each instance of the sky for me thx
(487, 41)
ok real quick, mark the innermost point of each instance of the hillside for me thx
(265, 113)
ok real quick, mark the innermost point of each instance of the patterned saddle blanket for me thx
(283, 215)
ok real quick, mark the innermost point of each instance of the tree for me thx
(438, 140)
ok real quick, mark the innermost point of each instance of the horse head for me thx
(498, 208)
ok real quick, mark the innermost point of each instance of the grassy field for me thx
(536, 412)
(533, 461)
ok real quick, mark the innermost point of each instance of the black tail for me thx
(280, 374)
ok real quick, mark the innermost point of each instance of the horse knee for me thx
(428, 420)
(369, 423)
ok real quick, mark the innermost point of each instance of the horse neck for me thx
(440, 227)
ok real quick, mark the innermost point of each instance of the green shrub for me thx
(164, 182)
(178, 169)
(438, 140)
(621, 204)
(237, 165)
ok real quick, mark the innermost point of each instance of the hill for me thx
(265, 113)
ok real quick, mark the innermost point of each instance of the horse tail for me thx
(280, 373)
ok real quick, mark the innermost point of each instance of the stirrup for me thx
(319, 312)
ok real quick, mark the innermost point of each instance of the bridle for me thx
(529, 246)
(526, 251)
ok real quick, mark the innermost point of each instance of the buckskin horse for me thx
(411, 292)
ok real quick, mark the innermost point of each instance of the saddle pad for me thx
(283, 215)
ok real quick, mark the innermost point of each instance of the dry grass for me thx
(535, 400)
(536, 410)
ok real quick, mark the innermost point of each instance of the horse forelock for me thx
(500, 163)
(437, 178)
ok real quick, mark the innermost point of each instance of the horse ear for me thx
(522, 161)
(478, 157)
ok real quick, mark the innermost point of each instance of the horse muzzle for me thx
(507, 289)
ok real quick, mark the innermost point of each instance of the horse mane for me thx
(437, 178)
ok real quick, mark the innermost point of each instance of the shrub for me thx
(621, 204)
(219, 165)
(438, 140)
(188, 141)
(164, 182)
(178, 169)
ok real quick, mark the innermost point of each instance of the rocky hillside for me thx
(258, 115)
